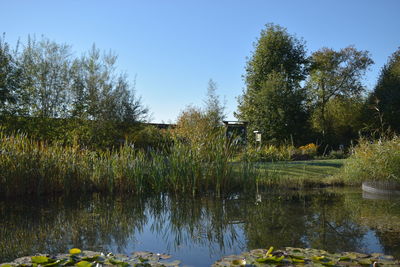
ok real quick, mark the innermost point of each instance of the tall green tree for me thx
(101, 93)
(46, 67)
(344, 117)
(386, 96)
(10, 78)
(334, 74)
(272, 101)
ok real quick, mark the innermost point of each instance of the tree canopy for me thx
(386, 96)
(10, 77)
(273, 101)
(333, 74)
(44, 79)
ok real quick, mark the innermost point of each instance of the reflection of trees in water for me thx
(313, 219)
(202, 221)
(57, 224)
(329, 220)
(331, 226)
(380, 215)
(390, 241)
(276, 221)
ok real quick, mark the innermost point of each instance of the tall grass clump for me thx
(36, 167)
(377, 160)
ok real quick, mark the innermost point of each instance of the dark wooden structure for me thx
(162, 125)
(236, 131)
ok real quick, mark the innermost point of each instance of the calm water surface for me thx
(199, 231)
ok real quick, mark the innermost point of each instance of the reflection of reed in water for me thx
(54, 225)
(335, 220)
(205, 222)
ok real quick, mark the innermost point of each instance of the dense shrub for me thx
(268, 153)
(271, 153)
(377, 160)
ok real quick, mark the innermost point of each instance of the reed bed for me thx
(373, 160)
(36, 167)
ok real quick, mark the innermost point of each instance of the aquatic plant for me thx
(79, 258)
(373, 160)
(305, 257)
(36, 167)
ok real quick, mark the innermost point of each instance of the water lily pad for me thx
(271, 259)
(40, 259)
(75, 251)
(84, 264)
(117, 262)
(365, 262)
(57, 262)
(296, 260)
(92, 258)
(241, 262)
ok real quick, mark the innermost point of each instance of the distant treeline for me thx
(49, 93)
(293, 97)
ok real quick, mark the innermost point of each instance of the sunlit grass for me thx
(298, 174)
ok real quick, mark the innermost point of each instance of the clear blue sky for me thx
(175, 47)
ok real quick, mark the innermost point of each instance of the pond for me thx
(199, 231)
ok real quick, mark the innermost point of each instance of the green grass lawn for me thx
(312, 173)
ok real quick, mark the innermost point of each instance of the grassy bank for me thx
(300, 174)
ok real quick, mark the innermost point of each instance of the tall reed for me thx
(377, 160)
(35, 167)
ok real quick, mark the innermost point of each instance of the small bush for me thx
(377, 160)
(269, 153)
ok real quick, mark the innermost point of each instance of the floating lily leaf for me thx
(328, 263)
(271, 259)
(344, 258)
(6, 265)
(75, 251)
(318, 258)
(239, 262)
(365, 262)
(39, 259)
(295, 260)
(118, 262)
(141, 259)
(93, 258)
(84, 264)
(57, 262)
(297, 256)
